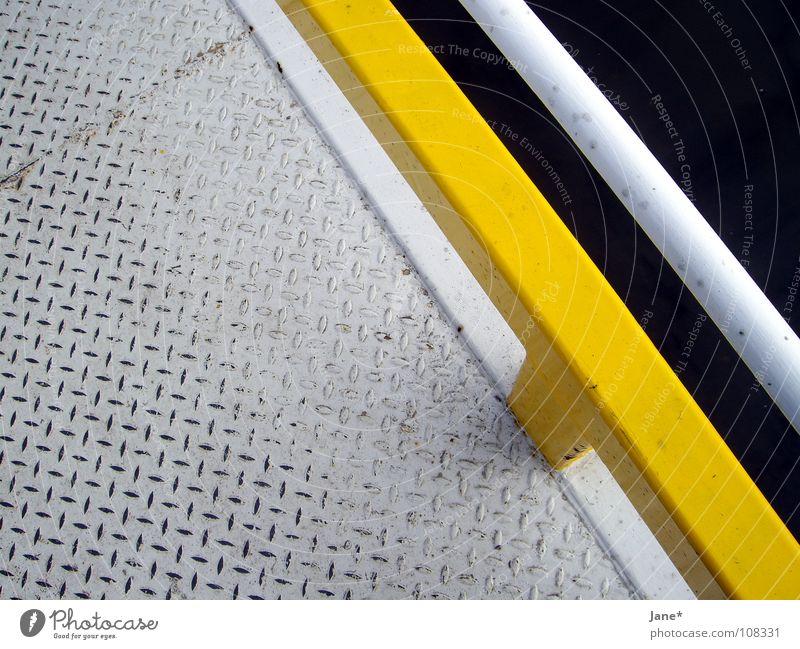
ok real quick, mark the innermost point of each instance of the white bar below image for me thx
(137, 623)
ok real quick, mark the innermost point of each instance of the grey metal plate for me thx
(219, 378)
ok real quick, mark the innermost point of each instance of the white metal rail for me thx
(710, 271)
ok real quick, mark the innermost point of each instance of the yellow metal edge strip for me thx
(652, 416)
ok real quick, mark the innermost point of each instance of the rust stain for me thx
(82, 135)
(117, 116)
(215, 51)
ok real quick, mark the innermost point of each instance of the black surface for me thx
(738, 124)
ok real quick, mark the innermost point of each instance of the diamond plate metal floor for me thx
(219, 376)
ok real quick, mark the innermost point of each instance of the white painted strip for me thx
(441, 269)
(732, 299)
(620, 530)
(588, 484)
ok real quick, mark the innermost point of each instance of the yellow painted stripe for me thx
(652, 416)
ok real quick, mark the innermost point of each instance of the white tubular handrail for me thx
(715, 277)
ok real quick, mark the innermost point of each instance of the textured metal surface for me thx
(219, 377)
